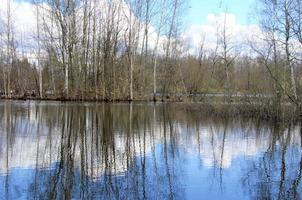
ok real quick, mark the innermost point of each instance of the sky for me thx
(200, 9)
(201, 20)
(204, 16)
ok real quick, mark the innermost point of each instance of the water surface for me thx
(51, 150)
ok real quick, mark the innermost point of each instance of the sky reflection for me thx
(143, 151)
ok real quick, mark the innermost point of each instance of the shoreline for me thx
(218, 109)
(206, 98)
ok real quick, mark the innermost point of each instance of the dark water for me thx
(55, 150)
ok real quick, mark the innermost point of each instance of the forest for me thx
(124, 50)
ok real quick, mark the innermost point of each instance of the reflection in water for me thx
(52, 150)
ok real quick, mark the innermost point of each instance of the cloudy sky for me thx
(201, 20)
(200, 9)
(204, 16)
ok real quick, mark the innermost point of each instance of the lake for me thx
(53, 150)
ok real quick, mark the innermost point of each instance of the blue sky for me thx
(199, 9)
(201, 20)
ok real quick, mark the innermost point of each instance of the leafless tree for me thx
(9, 50)
(38, 55)
(276, 22)
(226, 53)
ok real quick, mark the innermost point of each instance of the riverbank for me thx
(214, 107)
(178, 97)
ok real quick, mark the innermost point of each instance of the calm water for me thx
(51, 150)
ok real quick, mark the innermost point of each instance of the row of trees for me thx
(281, 54)
(100, 47)
(133, 49)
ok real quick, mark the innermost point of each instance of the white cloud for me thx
(238, 34)
(22, 15)
(24, 22)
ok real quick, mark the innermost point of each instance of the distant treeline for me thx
(133, 50)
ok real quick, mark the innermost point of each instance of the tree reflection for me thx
(277, 172)
(141, 151)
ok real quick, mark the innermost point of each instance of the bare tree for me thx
(38, 55)
(64, 16)
(286, 31)
(171, 33)
(161, 10)
(276, 21)
(131, 38)
(9, 50)
(226, 53)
